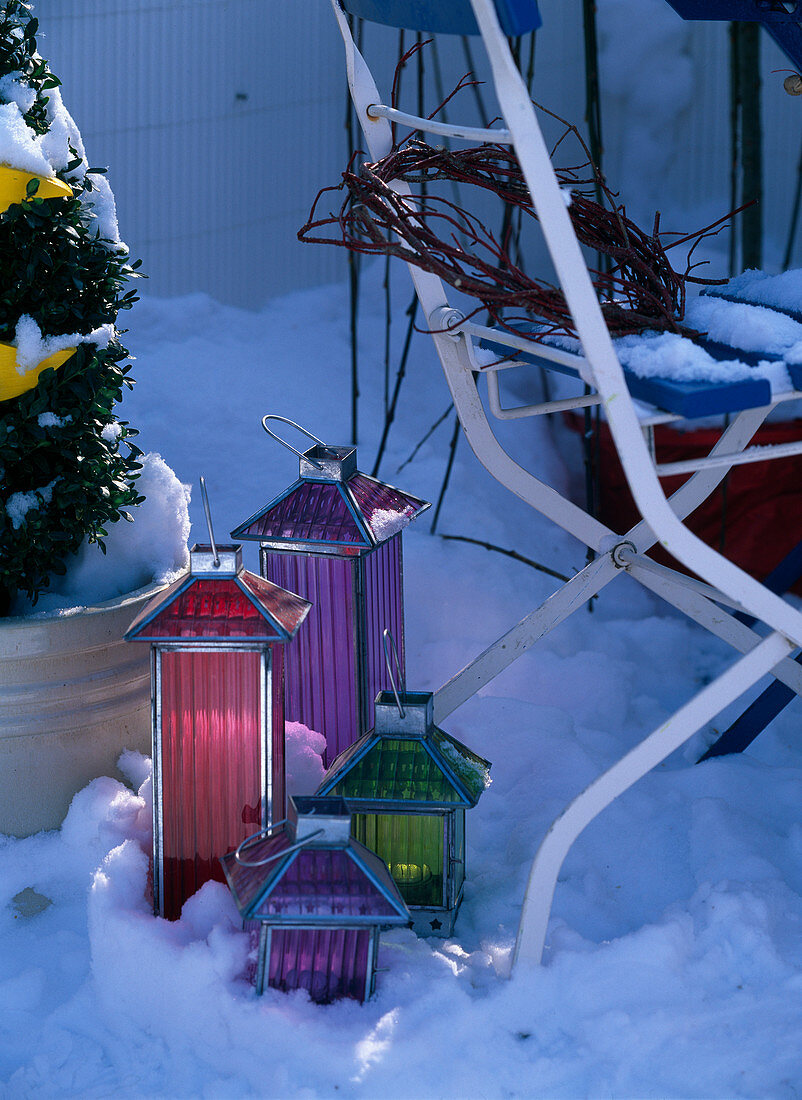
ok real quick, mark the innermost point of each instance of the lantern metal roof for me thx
(312, 871)
(218, 599)
(407, 760)
(333, 504)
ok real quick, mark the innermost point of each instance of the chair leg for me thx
(601, 792)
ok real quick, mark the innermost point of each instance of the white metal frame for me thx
(723, 586)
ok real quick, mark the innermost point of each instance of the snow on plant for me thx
(64, 275)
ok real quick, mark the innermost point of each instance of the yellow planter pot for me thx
(14, 187)
(74, 696)
(12, 383)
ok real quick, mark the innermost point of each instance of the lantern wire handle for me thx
(289, 446)
(251, 840)
(385, 637)
(207, 510)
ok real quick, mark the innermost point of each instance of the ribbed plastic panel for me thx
(384, 510)
(210, 765)
(412, 847)
(321, 664)
(210, 609)
(327, 963)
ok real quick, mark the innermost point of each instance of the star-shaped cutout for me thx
(436, 924)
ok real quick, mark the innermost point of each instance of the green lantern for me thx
(408, 785)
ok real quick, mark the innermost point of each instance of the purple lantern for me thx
(217, 636)
(319, 898)
(334, 536)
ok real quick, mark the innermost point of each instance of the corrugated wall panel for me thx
(221, 119)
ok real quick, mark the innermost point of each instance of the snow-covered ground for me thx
(674, 959)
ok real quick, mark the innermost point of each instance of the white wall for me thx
(221, 119)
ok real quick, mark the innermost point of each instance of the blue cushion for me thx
(445, 16)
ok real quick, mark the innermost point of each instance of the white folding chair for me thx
(724, 590)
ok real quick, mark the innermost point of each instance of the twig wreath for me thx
(639, 290)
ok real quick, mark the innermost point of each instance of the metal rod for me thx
(207, 511)
(635, 562)
(667, 737)
(385, 637)
(249, 841)
(543, 351)
(520, 411)
(289, 446)
(444, 129)
(751, 454)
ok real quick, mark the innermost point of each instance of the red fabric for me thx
(754, 518)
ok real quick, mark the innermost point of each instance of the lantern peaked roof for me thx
(222, 601)
(323, 879)
(407, 760)
(333, 503)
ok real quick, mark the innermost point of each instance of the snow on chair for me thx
(725, 595)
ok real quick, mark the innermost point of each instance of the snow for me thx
(386, 522)
(782, 291)
(674, 958)
(151, 549)
(20, 147)
(32, 347)
(50, 420)
(749, 327)
(669, 355)
(20, 504)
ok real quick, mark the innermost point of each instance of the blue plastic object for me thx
(777, 695)
(795, 370)
(445, 16)
(689, 399)
(783, 25)
(747, 11)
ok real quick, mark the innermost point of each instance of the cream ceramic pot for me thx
(73, 695)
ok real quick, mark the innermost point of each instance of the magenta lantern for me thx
(318, 898)
(217, 636)
(335, 538)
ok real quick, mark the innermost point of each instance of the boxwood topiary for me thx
(67, 465)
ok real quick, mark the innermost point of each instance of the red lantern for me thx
(217, 636)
